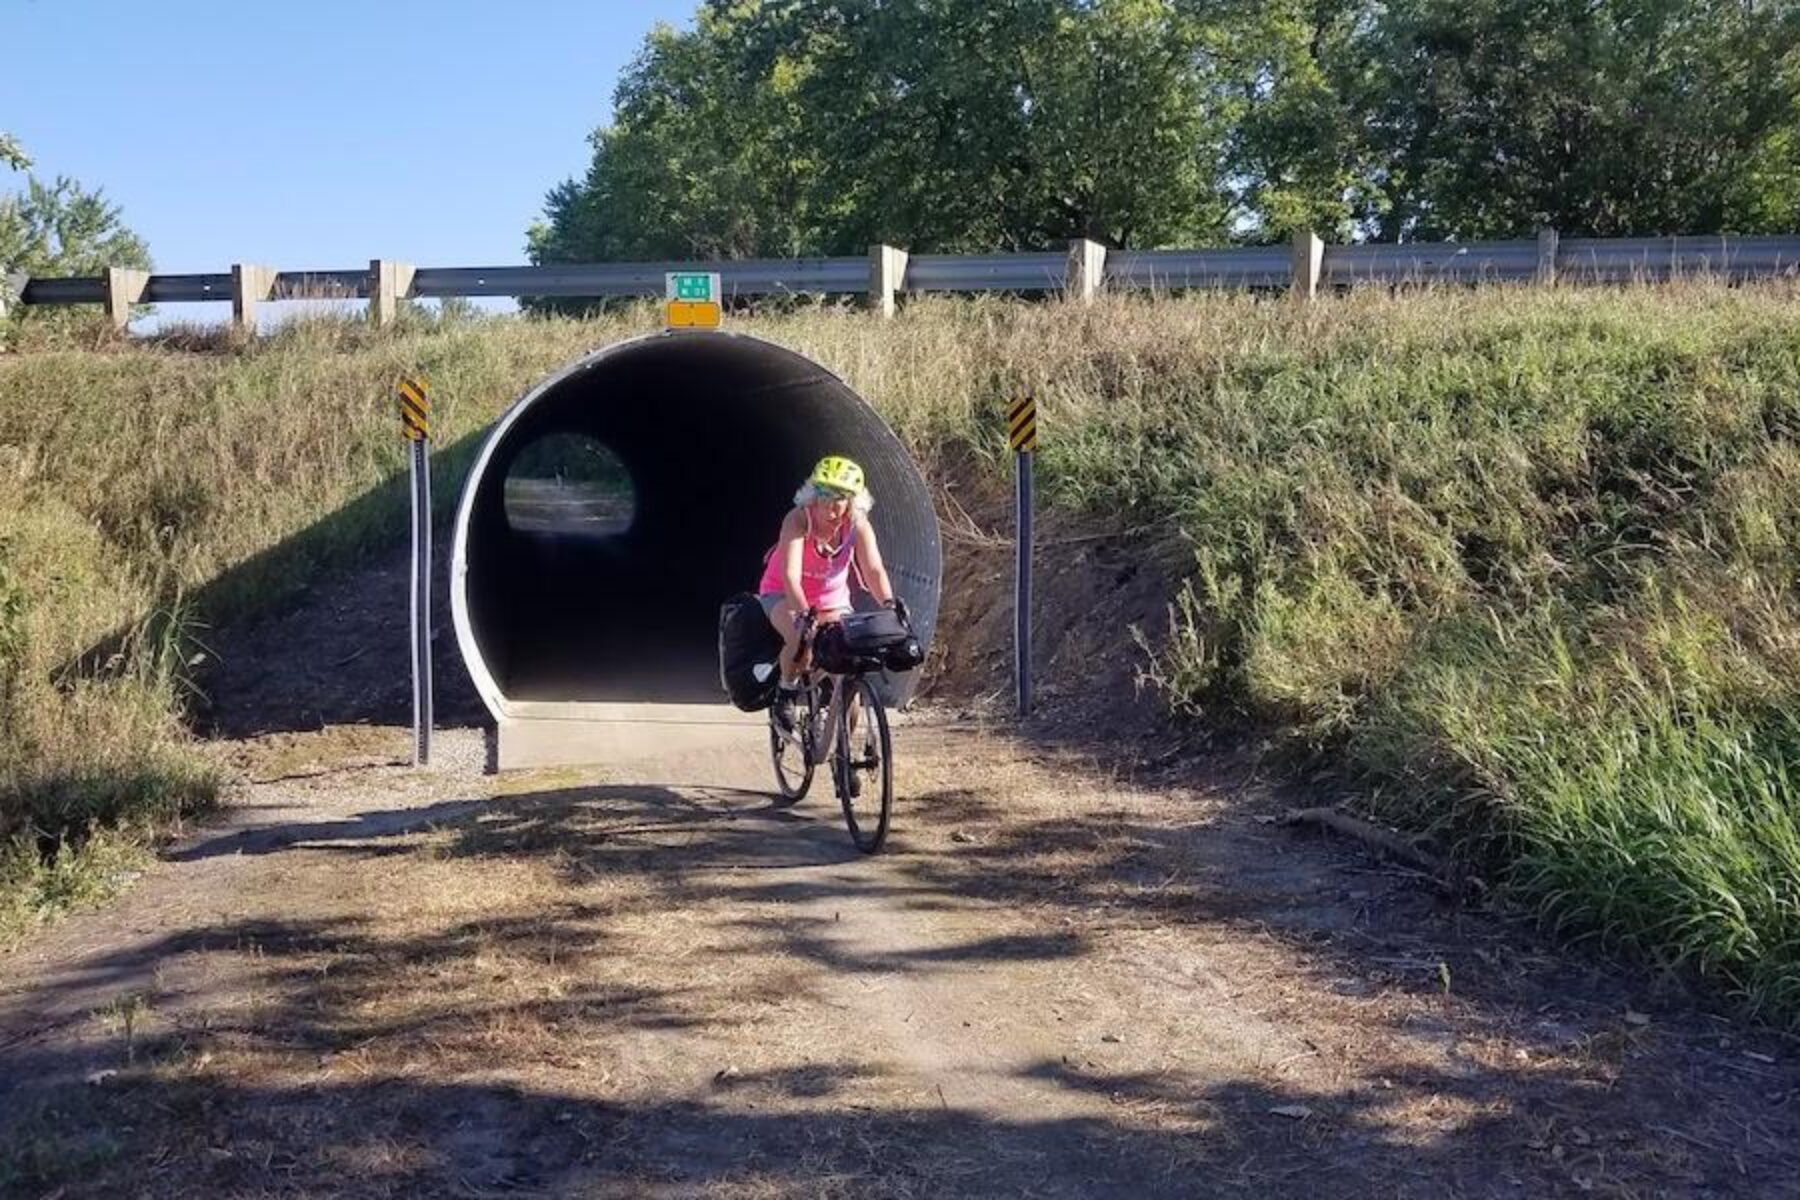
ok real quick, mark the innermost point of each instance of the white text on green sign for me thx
(693, 285)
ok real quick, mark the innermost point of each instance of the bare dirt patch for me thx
(337, 655)
(1092, 588)
(655, 980)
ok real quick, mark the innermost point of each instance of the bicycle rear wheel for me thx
(793, 765)
(863, 767)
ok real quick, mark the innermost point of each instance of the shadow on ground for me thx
(396, 1136)
(359, 1064)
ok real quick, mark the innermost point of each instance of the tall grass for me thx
(1523, 562)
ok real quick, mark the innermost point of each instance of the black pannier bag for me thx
(867, 641)
(747, 641)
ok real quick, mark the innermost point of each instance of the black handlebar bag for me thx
(880, 639)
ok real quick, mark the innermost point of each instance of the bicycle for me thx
(841, 711)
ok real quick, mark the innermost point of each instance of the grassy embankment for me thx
(1525, 563)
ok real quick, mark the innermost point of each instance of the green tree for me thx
(58, 229)
(790, 127)
(700, 161)
(12, 155)
(955, 125)
(1599, 117)
(61, 228)
(1298, 155)
(806, 126)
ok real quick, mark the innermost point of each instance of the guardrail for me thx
(1303, 267)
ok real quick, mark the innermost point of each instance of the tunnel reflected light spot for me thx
(569, 484)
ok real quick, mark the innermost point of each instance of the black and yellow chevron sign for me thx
(1021, 420)
(415, 409)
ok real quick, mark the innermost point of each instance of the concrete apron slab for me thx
(546, 734)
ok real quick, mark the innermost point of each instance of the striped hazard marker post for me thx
(414, 399)
(1021, 424)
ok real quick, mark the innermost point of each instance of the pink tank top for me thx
(824, 578)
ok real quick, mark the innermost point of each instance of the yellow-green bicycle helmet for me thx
(838, 474)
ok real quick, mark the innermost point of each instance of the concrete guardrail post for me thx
(125, 286)
(887, 275)
(1547, 242)
(389, 283)
(250, 286)
(1087, 269)
(1309, 263)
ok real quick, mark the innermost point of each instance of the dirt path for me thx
(653, 981)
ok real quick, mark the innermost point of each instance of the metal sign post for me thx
(692, 300)
(1022, 434)
(415, 420)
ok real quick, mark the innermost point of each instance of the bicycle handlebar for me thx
(809, 620)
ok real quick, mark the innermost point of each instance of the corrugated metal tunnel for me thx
(618, 503)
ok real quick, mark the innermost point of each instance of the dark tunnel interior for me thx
(577, 591)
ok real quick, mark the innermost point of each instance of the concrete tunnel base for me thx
(587, 642)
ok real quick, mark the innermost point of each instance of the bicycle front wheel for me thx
(863, 766)
(788, 749)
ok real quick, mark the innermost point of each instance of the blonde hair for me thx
(863, 501)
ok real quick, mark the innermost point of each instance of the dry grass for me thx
(1452, 540)
(586, 985)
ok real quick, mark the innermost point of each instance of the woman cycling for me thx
(823, 538)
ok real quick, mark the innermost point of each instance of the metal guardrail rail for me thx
(1245, 267)
(1611, 260)
(986, 273)
(744, 277)
(1422, 261)
(1575, 260)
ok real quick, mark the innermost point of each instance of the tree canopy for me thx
(62, 228)
(789, 127)
(57, 228)
(12, 155)
(1606, 118)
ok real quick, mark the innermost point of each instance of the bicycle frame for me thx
(820, 749)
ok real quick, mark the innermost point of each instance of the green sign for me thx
(693, 285)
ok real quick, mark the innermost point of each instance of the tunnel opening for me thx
(618, 503)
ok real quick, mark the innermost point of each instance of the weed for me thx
(124, 1017)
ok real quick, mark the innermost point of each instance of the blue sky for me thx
(318, 134)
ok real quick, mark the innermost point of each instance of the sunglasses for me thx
(831, 493)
